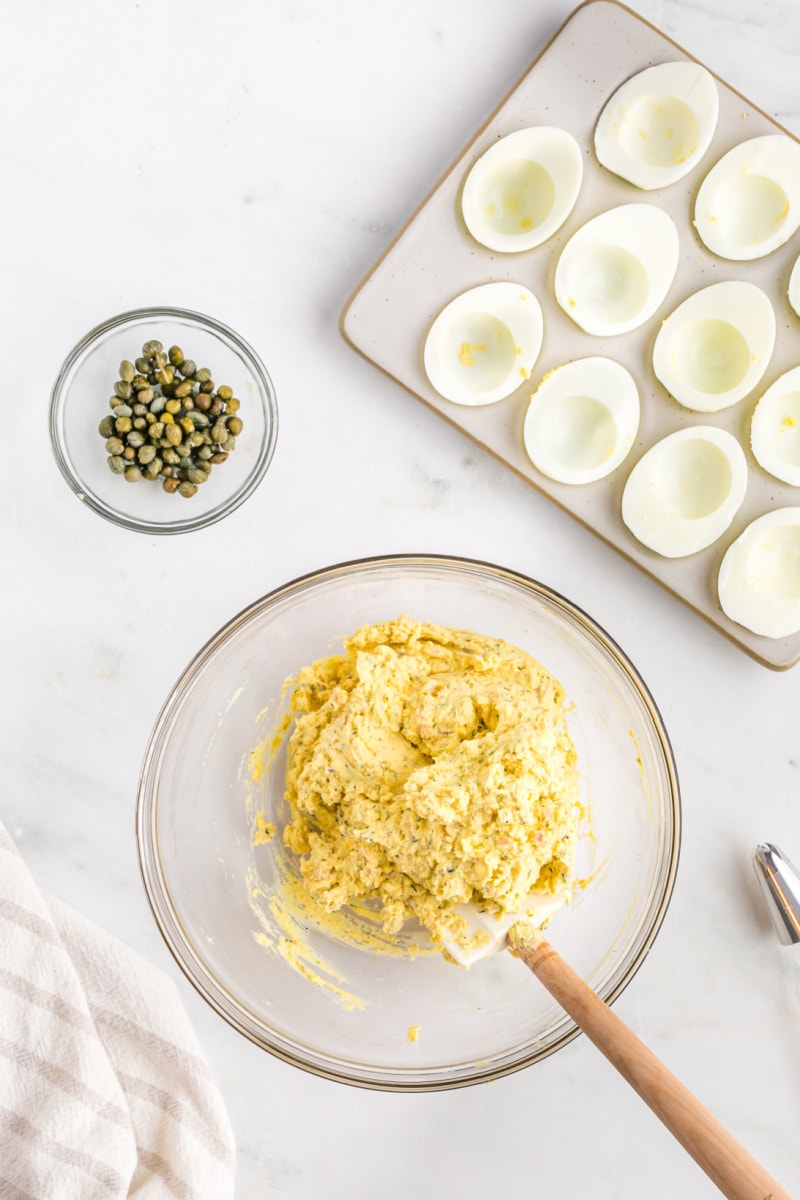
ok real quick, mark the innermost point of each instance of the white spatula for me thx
(726, 1162)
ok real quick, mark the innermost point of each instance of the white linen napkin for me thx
(104, 1091)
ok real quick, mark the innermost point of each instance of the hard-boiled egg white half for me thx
(749, 203)
(715, 347)
(581, 420)
(759, 578)
(775, 428)
(615, 271)
(522, 188)
(793, 291)
(685, 491)
(657, 126)
(484, 343)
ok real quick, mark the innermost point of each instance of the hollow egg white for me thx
(715, 346)
(775, 428)
(522, 189)
(685, 490)
(484, 343)
(749, 202)
(658, 125)
(793, 290)
(581, 420)
(759, 577)
(615, 270)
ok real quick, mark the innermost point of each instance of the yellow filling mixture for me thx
(428, 768)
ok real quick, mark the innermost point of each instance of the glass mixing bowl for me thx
(80, 401)
(198, 796)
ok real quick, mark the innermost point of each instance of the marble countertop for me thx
(252, 160)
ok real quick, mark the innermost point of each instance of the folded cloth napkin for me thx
(104, 1092)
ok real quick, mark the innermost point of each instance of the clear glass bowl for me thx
(194, 818)
(80, 401)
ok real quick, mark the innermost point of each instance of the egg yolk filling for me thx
(430, 768)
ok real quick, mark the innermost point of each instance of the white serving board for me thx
(433, 259)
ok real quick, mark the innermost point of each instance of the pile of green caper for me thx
(169, 420)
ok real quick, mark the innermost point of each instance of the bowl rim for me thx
(213, 991)
(268, 408)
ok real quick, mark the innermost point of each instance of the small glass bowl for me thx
(79, 402)
(195, 824)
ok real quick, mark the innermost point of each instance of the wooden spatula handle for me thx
(735, 1172)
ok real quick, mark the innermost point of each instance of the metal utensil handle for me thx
(735, 1172)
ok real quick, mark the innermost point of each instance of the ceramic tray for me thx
(433, 259)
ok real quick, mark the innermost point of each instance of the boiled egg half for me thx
(484, 343)
(775, 428)
(715, 347)
(657, 126)
(749, 203)
(793, 290)
(522, 188)
(615, 271)
(581, 420)
(759, 578)
(685, 491)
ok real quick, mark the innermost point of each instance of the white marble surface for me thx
(251, 160)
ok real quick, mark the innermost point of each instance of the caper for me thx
(169, 420)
